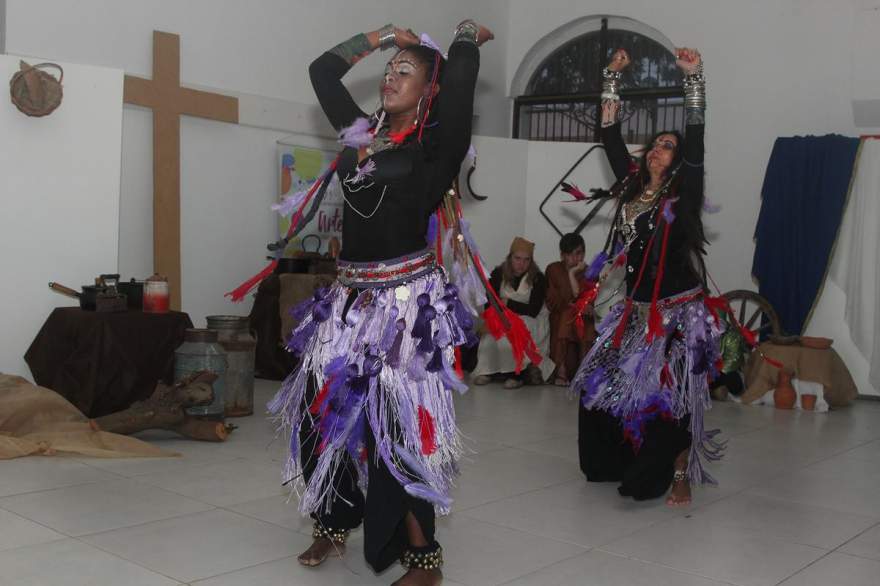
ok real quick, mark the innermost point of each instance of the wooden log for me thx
(202, 429)
(166, 409)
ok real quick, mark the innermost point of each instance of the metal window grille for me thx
(563, 96)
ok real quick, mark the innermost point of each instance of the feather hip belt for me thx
(667, 377)
(381, 353)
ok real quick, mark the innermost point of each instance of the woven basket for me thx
(35, 92)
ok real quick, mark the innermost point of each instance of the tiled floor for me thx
(798, 505)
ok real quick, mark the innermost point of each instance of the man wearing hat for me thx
(523, 288)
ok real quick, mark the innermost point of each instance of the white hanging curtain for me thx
(854, 267)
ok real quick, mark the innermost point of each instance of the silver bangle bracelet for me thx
(387, 37)
(608, 74)
(695, 90)
(467, 31)
(611, 84)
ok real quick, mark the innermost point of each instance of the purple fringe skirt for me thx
(666, 378)
(384, 360)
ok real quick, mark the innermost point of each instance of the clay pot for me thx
(784, 397)
(808, 402)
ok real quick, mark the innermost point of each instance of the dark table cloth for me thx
(104, 362)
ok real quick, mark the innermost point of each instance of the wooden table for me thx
(104, 362)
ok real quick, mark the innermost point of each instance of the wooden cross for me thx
(168, 100)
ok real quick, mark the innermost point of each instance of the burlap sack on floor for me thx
(37, 421)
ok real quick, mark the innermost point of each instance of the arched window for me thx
(561, 95)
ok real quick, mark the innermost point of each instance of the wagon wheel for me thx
(754, 312)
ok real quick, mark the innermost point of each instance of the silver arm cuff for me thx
(467, 32)
(387, 37)
(695, 90)
(611, 84)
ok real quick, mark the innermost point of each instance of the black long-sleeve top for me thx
(413, 177)
(536, 298)
(680, 273)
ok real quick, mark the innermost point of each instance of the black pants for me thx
(606, 457)
(382, 511)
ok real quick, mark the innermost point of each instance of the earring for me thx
(418, 111)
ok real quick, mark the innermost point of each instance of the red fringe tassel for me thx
(580, 306)
(426, 430)
(459, 371)
(655, 320)
(239, 293)
(520, 339)
(320, 398)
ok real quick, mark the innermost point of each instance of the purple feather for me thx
(472, 293)
(450, 379)
(415, 467)
(290, 203)
(443, 337)
(416, 368)
(372, 365)
(392, 357)
(633, 364)
(591, 386)
(701, 358)
(321, 310)
(302, 309)
(465, 228)
(709, 207)
(464, 319)
(431, 237)
(357, 135)
(595, 268)
(301, 336)
(427, 41)
(436, 362)
(363, 171)
(335, 367)
(412, 464)
(422, 327)
(390, 329)
(357, 440)
(668, 213)
(426, 493)
(470, 159)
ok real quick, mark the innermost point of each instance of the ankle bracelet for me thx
(335, 535)
(423, 558)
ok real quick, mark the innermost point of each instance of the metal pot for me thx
(87, 298)
(134, 292)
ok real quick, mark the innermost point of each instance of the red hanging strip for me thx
(655, 320)
(440, 223)
(238, 294)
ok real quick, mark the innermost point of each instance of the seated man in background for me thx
(523, 289)
(565, 281)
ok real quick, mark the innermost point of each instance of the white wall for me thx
(502, 175)
(60, 200)
(2, 26)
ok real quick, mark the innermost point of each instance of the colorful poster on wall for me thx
(298, 168)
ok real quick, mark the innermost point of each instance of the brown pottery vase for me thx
(784, 397)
